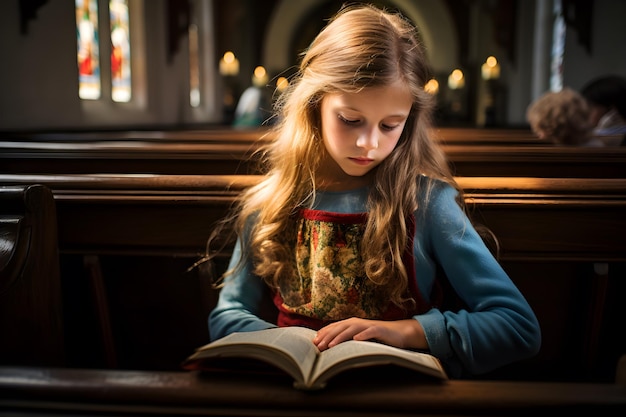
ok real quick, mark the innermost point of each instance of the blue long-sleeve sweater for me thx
(497, 327)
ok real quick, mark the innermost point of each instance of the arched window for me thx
(93, 40)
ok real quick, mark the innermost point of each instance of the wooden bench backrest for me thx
(561, 241)
(30, 288)
(506, 153)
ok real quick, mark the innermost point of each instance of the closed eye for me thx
(389, 127)
(348, 121)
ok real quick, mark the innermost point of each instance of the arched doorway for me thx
(294, 24)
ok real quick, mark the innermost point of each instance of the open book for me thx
(291, 350)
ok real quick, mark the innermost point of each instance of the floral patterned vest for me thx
(330, 282)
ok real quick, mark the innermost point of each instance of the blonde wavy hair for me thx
(360, 47)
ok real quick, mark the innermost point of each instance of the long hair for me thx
(360, 47)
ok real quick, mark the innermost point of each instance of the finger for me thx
(335, 333)
(325, 335)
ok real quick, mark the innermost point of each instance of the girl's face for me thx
(360, 130)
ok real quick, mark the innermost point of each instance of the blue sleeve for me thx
(241, 302)
(498, 327)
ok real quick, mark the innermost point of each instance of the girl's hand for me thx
(407, 333)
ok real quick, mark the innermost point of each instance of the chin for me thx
(356, 173)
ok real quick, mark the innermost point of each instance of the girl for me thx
(357, 229)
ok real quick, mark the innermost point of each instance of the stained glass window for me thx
(88, 49)
(120, 51)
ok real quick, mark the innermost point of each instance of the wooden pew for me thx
(447, 135)
(537, 161)
(31, 327)
(486, 136)
(561, 241)
(216, 134)
(87, 202)
(87, 392)
(233, 152)
(128, 156)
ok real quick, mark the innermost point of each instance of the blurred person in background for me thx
(607, 99)
(563, 118)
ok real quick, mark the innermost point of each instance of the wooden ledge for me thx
(86, 391)
(575, 186)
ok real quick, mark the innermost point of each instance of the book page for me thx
(289, 348)
(353, 353)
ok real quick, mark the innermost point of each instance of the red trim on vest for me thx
(330, 216)
(393, 312)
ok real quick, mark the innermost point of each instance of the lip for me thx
(362, 161)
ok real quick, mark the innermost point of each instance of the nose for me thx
(368, 140)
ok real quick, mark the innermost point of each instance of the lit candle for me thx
(281, 84)
(259, 78)
(456, 79)
(432, 86)
(490, 69)
(229, 64)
